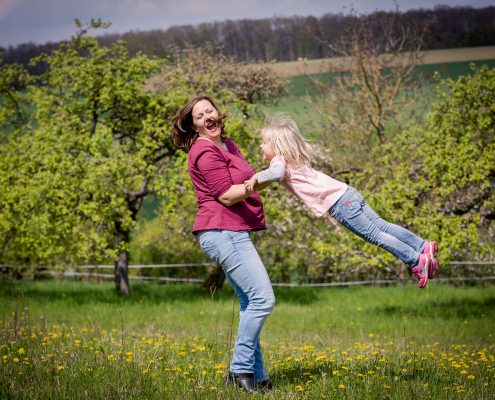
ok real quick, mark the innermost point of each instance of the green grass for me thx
(299, 84)
(66, 340)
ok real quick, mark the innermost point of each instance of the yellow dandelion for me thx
(16, 360)
(299, 388)
(471, 377)
(60, 368)
(341, 386)
(213, 388)
(21, 350)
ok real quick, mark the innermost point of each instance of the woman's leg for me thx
(352, 211)
(244, 269)
(259, 371)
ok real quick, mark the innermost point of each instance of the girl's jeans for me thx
(244, 269)
(352, 211)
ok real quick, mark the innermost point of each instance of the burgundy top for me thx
(213, 171)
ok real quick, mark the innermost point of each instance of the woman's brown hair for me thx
(183, 133)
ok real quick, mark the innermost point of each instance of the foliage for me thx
(206, 70)
(87, 150)
(87, 141)
(439, 181)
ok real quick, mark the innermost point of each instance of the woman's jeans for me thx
(352, 211)
(244, 269)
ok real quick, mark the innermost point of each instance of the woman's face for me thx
(206, 121)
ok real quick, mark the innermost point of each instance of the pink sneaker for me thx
(431, 248)
(420, 271)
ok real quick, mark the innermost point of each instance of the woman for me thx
(227, 212)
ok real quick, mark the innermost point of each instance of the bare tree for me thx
(366, 89)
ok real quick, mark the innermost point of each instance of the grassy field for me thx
(444, 56)
(67, 340)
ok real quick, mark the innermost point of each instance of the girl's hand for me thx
(250, 183)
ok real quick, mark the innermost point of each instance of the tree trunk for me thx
(215, 279)
(121, 273)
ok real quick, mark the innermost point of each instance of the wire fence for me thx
(465, 271)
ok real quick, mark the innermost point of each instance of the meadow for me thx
(75, 340)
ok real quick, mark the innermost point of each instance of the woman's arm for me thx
(260, 186)
(234, 195)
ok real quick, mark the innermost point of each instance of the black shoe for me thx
(265, 384)
(242, 380)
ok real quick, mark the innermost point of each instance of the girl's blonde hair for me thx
(283, 134)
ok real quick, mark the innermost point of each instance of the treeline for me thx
(291, 38)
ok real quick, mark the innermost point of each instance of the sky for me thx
(41, 21)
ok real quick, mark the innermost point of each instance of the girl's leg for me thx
(352, 211)
(403, 234)
(244, 269)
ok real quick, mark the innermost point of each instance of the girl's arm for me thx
(262, 179)
(275, 173)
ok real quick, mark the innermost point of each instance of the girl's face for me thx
(267, 149)
(206, 121)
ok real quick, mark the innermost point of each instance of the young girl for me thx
(286, 149)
